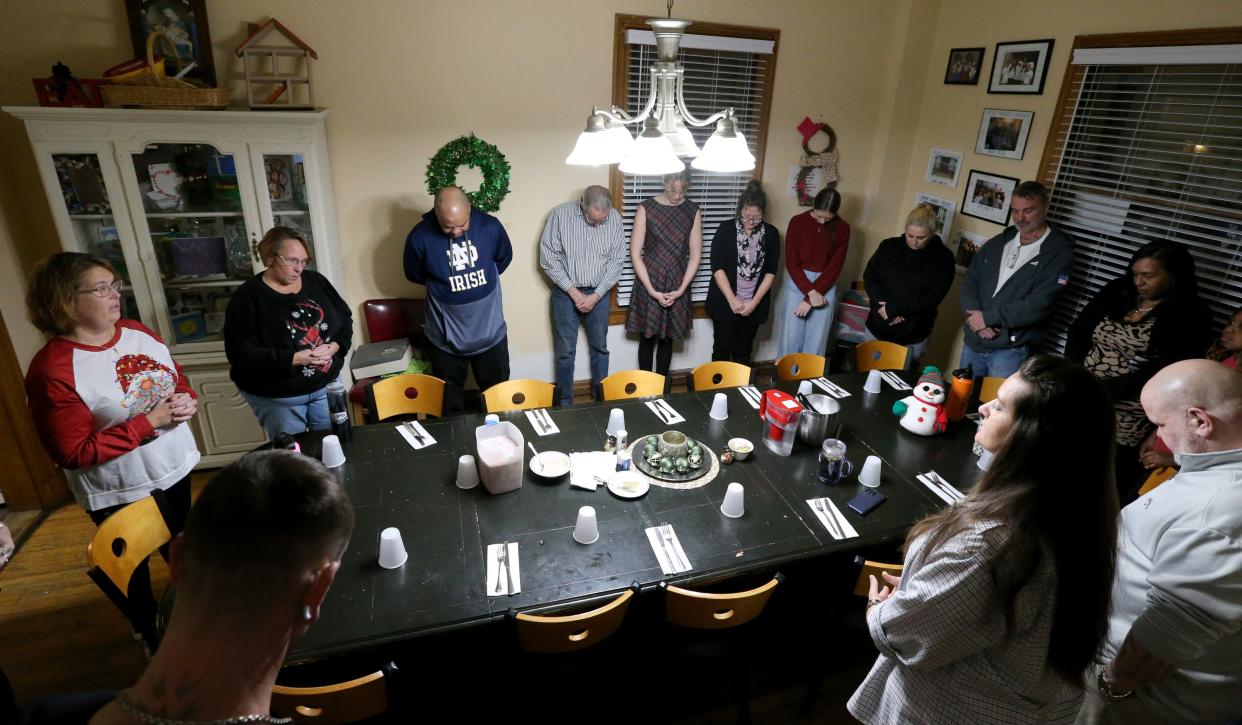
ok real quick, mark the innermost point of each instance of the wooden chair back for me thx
(406, 394)
(720, 374)
(1157, 477)
(521, 394)
(569, 633)
(879, 355)
(126, 539)
(869, 568)
(703, 610)
(345, 702)
(799, 366)
(632, 384)
(987, 389)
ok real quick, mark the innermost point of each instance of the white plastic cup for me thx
(467, 472)
(720, 407)
(804, 387)
(616, 421)
(392, 552)
(333, 456)
(733, 505)
(870, 473)
(586, 531)
(985, 460)
(874, 382)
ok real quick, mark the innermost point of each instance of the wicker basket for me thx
(154, 90)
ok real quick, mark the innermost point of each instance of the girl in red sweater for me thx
(815, 247)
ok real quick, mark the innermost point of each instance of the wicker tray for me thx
(155, 90)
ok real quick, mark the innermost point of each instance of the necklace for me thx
(132, 710)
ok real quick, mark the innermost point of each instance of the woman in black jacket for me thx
(746, 253)
(1138, 324)
(906, 279)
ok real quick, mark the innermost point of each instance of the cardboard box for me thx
(852, 311)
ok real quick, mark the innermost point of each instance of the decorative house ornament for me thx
(278, 74)
(817, 169)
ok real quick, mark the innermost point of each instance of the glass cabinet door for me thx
(192, 204)
(286, 194)
(90, 217)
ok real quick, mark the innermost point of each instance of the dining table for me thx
(443, 584)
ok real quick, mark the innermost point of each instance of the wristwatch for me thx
(1106, 689)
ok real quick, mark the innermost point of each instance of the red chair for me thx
(388, 319)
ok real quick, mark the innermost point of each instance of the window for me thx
(725, 66)
(1145, 146)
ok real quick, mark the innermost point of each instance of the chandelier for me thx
(664, 135)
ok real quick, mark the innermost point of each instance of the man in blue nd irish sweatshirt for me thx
(458, 253)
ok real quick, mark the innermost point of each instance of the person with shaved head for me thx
(458, 253)
(1174, 647)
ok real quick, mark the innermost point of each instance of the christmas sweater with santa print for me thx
(89, 405)
(263, 329)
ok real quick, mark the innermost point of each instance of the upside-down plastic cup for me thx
(392, 552)
(586, 531)
(734, 505)
(874, 382)
(804, 387)
(333, 456)
(467, 472)
(616, 421)
(870, 473)
(720, 407)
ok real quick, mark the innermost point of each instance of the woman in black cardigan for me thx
(745, 256)
(1138, 324)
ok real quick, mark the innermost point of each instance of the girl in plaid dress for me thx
(666, 245)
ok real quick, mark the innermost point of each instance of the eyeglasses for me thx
(752, 219)
(103, 290)
(290, 261)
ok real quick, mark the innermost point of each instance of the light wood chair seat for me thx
(1157, 477)
(123, 542)
(406, 394)
(862, 587)
(521, 394)
(800, 366)
(344, 702)
(987, 389)
(704, 610)
(573, 632)
(880, 355)
(720, 374)
(632, 384)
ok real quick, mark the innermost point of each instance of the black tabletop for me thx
(446, 530)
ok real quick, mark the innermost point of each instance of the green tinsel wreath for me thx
(476, 153)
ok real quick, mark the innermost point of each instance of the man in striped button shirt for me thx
(582, 251)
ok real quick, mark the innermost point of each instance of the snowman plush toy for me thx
(923, 412)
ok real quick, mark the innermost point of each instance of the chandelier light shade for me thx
(665, 120)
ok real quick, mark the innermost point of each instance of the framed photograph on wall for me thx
(945, 209)
(185, 24)
(1004, 133)
(964, 66)
(1020, 67)
(965, 246)
(987, 196)
(944, 167)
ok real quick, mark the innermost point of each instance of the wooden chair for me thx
(702, 610)
(518, 395)
(987, 389)
(404, 395)
(799, 366)
(345, 702)
(122, 542)
(387, 319)
(868, 568)
(1157, 477)
(632, 384)
(720, 374)
(570, 633)
(880, 355)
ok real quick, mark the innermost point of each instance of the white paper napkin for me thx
(540, 418)
(584, 468)
(662, 410)
(831, 388)
(678, 561)
(751, 395)
(404, 430)
(497, 581)
(894, 380)
(838, 527)
(941, 487)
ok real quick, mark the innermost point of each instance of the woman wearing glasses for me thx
(108, 400)
(746, 254)
(286, 332)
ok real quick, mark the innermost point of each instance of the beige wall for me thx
(402, 78)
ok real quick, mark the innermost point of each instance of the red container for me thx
(781, 411)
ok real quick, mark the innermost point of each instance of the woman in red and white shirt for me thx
(107, 398)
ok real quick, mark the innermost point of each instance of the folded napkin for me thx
(586, 469)
(407, 431)
(831, 518)
(894, 380)
(541, 422)
(667, 548)
(831, 388)
(751, 394)
(664, 411)
(937, 485)
(498, 575)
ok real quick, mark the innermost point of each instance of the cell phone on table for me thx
(864, 502)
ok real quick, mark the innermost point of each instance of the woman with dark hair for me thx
(1003, 603)
(1139, 323)
(816, 243)
(746, 253)
(286, 332)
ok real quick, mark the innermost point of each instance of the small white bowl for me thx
(741, 448)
